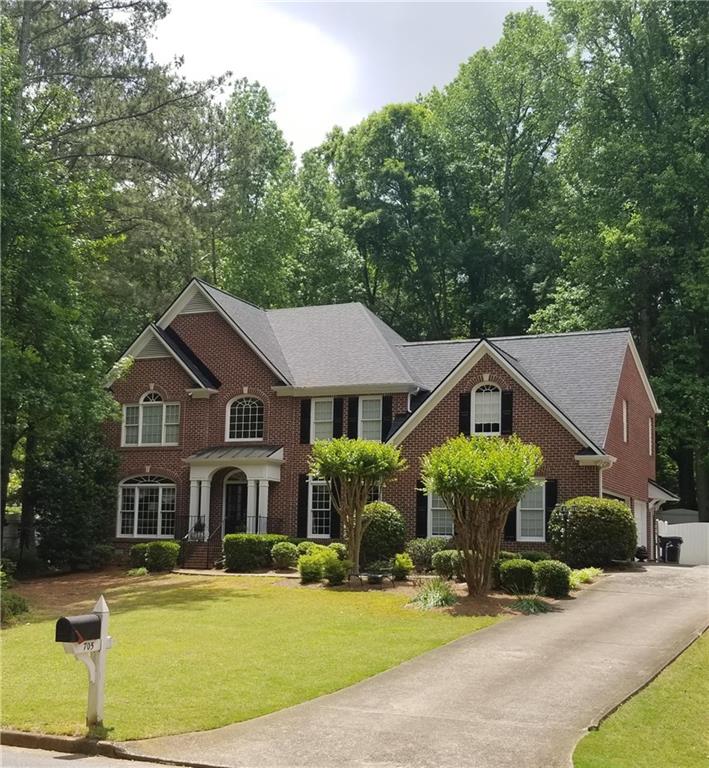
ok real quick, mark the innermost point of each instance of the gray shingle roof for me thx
(578, 372)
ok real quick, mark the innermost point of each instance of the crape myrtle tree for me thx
(480, 479)
(352, 469)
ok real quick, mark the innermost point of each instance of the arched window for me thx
(244, 419)
(151, 421)
(146, 507)
(486, 410)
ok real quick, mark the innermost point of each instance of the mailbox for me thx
(78, 629)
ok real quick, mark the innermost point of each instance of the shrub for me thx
(138, 572)
(530, 605)
(584, 576)
(517, 576)
(284, 554)
(448, 564)
(501, 557)
(11, 605)
(552, 578)
(591, 531)
(402, 567)
(535, 556)
(312, 566)
(305, 546)
(162, 555)
(336, 570)
(380, 566)
(137, 555)
(339, 549)
(385, 533)
(422, 550)
(249, 551)
(102, 555)
(434, 593)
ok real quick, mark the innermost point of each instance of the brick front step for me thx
(197, 556)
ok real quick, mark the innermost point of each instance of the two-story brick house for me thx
(224, 400)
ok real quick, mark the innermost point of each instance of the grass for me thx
(193, 652)
(664, 725)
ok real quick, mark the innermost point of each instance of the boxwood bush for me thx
(284, 554)
(501, 557)
(162, 555)
(552, 578)
(385, 533)
(335, 570)
(591, 531)
(245, 552)
(313, 565)
(448, 564)
(402, 566)
(137, 555)
(517, 576)
(304, 547)
(422, 550)
(339, 549)
(534, 555)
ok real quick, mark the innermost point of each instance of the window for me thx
(319, 506)
(244, 419)
(486, 410)
(370, 418)
(375, 494)
(531, 515)
(625, 421)
(151, 422)
(321, 419)
(650, 438)
(146, 508)
(440, 521)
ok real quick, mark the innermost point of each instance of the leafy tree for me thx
(352, 469)
(480, 479)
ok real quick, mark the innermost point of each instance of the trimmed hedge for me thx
(591, 531)
(312, 566)
(517, 576)
(162, 555)
(339, 549)
(284, 554)
(245, 552)
(448, 564)
(535, 556)
(385, 533)
(422, 550)
(305, 547)
(501, 557)
(552, 578)
(336, 570)
(137, 555)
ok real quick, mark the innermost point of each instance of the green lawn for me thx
(664, 725)
(194, 653)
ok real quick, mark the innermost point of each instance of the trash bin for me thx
(670, 547)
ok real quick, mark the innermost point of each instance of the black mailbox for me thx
(78, 629)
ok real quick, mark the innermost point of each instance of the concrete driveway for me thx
(521, 693)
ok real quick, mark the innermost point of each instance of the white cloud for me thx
(312, 78)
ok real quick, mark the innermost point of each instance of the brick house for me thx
(224, 399)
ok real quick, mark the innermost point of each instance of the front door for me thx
(235, 508)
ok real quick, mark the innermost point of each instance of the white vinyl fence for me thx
(695, 547)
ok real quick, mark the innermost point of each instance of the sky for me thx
(333, 63)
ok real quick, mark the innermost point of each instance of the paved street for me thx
(17, 757)
(519, 694)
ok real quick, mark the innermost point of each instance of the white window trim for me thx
(472, 409)
(359, 415)
(650, 437)
(429, 524)
(312, 482)
(139, 406)
(227, 421)
(625, 421)
(314, 400)
(542, 482)
(135, 535)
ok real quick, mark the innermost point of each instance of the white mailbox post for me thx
(86, 638)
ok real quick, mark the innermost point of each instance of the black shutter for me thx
(337, 417)
(302, 527)
(386, 416)
(506, 412)
(464, 414)
(421, 514)
(550, 498)
(352, 416)
(334, 519)
(305, 420)
(510, 533)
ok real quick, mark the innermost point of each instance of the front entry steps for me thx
(199, 555)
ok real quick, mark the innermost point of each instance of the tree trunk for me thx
(684, 456)
(27, 535)
(23, 45)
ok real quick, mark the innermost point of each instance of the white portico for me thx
(254, 468)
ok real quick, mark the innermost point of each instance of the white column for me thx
(251, 506)
(262, 506)
(194, 500)
(205, 496)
